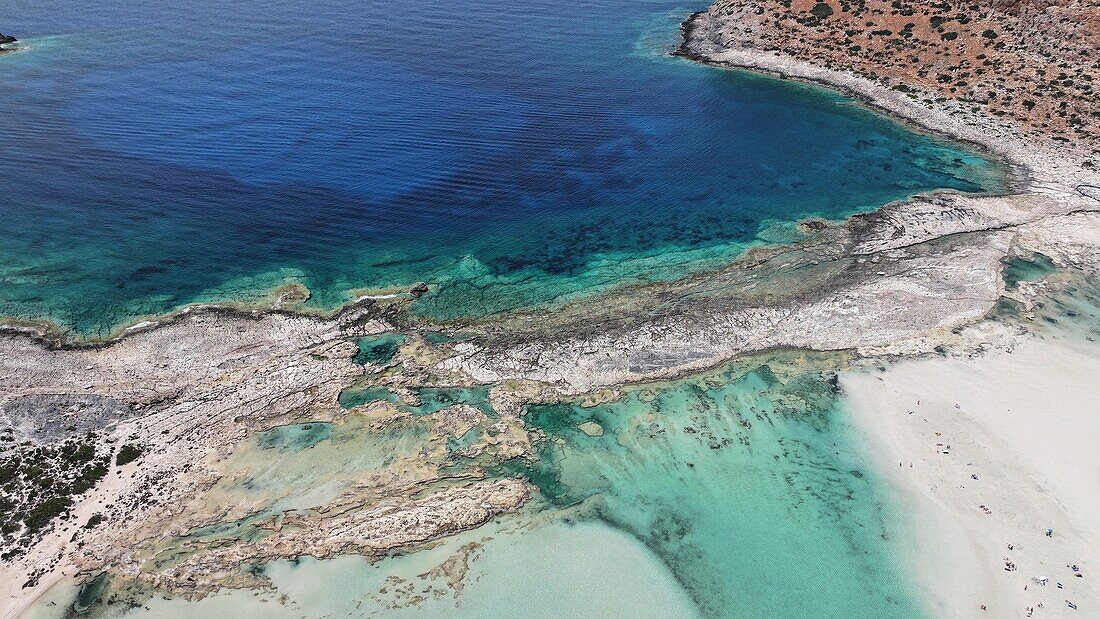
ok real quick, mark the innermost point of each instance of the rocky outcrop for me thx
(400, 524)
(906, 271)
(6, 42)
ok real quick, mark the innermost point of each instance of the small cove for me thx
(569, 156)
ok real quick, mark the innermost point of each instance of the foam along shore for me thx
(991, 452)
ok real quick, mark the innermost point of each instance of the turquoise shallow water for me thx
(158, 154)
(740, 493)
(749, 487)
(379, 349)
(295, 437)
(534, 570)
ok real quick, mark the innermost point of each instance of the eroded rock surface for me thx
(904, 271)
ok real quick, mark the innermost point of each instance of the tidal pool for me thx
(379, 349)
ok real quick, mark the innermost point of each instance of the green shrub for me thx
(41, 515)
(127, 454)
(822, 10)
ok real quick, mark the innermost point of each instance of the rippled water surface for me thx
(511, 154)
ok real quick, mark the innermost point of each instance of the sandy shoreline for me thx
(1023, 419)
(1011, 430)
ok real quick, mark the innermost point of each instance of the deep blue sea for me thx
(162, 153)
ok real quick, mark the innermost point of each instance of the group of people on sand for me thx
(944, 448)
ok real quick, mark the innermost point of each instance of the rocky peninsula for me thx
(1031, 63)
(154, 435)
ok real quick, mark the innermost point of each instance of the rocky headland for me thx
(1031, 63)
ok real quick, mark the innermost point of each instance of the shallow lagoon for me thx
(748, 485)
(530, 569)
(741, 492)
(509, 154)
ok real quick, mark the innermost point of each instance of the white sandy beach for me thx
(1014, 431)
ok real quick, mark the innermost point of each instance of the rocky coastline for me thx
(1037, 163)
(190, 393)
(193, 390)
(1025, 69)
